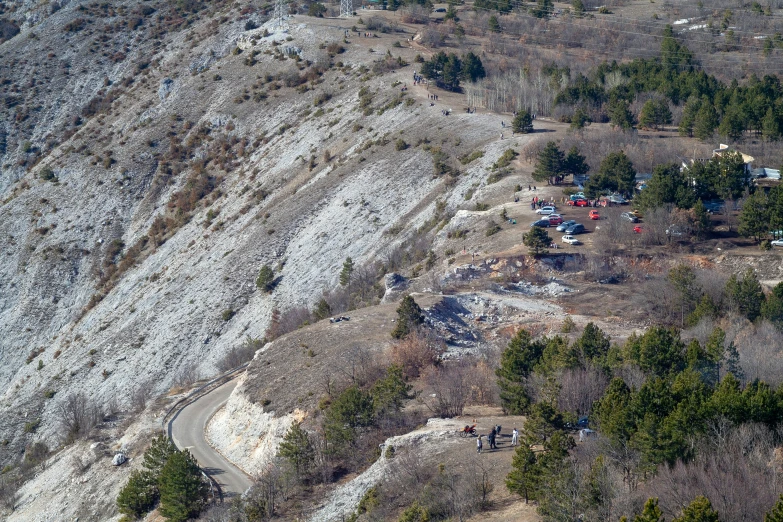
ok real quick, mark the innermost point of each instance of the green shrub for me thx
(32, 426)
(228, 314)
(492, 229)
(400, 144)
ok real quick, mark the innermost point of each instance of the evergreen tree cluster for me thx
(686, 388)
(170, 477)
(709, 106)
(448, 70)
(722, 177)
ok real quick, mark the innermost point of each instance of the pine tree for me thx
(700, 510)
(579, 119)
(322, 310)
(650, 513)
(541, 424)
(755, 216)
(594, 343)
(620, 115)
(409, 317)
(347, 271)
(550, 162)
(390, 392)
(522, 122)
(578, 8)
(265, 279)
(647, 119)
(537, 240)
(776, 513)
(543, 9)
(733, 124)
(158, 454)
(575, 164)
(516, 363)
(493, 24)
(139, 495)
(702, 220)
(770, 126)
(352, 410)
(297, 448)
(525, 476)
(705, 122)
(612, 413)
(183, 491)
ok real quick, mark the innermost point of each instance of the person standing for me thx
(491, 439)
(479, 444)
(514, 437)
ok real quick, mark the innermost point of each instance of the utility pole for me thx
(281, 10)
(346, 8)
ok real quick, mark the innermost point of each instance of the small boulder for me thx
(119, 459)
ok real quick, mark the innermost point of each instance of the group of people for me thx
(417, 78)
(445, 112)
(369, 35)
(433, 97)
(537, 202)
(492, 437)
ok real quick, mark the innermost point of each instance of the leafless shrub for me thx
(76, 416)
(141, 396)
(187, 375)
(732, 470)
(417, 352)
(240, 354)
(579, 388)
(360, 366)
(759, 353)
(79, 465)
(453, 493)
(8, 494)
(450, 384)
(633, 376)
(414, 14)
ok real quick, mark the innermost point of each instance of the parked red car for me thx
(579, 203)
(555, 219)
(594, 214)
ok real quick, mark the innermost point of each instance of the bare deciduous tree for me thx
(77, 416)
(580, 388)
(187, 375)
(416, 352)
(240, 354)
(451, 388)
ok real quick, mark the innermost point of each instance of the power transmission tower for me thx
(346, 8)
(281, 10)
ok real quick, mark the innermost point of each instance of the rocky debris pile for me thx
(554, 288)
(453, 322)
(466, 272)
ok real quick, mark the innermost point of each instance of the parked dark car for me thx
(565, 224)
(575, 229)
(544, 223)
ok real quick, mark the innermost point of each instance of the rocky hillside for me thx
(156, 156)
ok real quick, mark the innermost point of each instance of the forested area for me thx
(674, 424)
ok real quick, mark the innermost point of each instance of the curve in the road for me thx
(186, 429)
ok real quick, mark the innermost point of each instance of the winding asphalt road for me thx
(187, 431)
